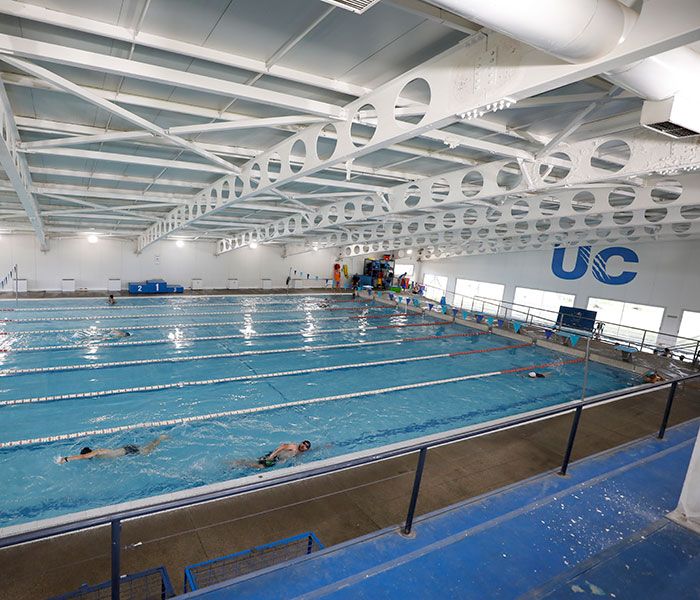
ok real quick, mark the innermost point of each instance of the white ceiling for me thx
(309, 51)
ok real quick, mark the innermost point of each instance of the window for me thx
(543, 305)
(628, 321)
(690, 328)
(435, 286)
(400, 269)
(475, 295)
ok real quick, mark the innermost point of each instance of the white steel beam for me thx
(482, 75)
(119, 136)
(586, 162)
(81, 59)
(16, 168)
(115, 109)
(167, 105)
(77, 23)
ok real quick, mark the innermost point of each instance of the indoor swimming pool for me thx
(228, 378)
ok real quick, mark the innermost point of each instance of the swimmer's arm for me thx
(281, 448)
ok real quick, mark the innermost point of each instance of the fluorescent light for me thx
(92, 238)
(253, 245)
(409, 252)
(179, 243)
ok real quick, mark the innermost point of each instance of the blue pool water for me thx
(62, 347)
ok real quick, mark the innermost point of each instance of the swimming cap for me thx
(532, 374)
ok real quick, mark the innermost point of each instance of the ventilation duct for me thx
(356, 6)
(581, 30)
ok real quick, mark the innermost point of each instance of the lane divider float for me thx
(176, 359)
(208, 338)
(201, 314)
(255, 377)
(193, 304)
(271, 407)
(204, 324)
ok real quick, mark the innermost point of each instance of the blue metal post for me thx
(667, 411)
(414, 494)
(570, 443)
(116, 557)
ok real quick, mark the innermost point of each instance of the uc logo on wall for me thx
(599, 267)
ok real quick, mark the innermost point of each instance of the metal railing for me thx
(115, 519)
(644, 339)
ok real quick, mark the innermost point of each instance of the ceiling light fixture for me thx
(180, 244)
(92, 238)
(253, 245)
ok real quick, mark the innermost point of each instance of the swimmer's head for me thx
(304, 446)
(532, 374)
(126, 334)
(86, 450)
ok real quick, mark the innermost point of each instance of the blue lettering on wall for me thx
(582, 257)
(599, 267)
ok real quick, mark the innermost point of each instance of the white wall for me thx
(668, 275)
(91, 265)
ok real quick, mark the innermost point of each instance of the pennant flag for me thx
(465, 314)
(391, 296)
(416, 302)
(548, 334)
(479, 318)
(379, 293)
(443, 302)
(574, 339)
(516, 326)
(500, 322)
(489, 320)
(444, 309)
(454, 312)
(430, 306)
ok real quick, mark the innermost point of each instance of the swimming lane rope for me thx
(179, 314)
(204, 324)
(218, 337)
(271, 407)
(175, 359)
(181, 384)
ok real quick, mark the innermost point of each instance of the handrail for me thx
(8, 276)
(533, 313)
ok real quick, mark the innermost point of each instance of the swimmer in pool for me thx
(652, 377)
(118, 333)
(87, 453)
(536, 375)
(282, 453)
(111, 301)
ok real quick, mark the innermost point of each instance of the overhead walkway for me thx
(597, 532)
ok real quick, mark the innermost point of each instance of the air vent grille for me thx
(356, 6)
(672, 129)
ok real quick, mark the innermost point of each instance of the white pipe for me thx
(661, 76)
(575, 30)
(581, 30)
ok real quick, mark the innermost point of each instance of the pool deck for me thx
(601, 531)
(338, 507)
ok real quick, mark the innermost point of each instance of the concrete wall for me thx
(91, 265)
(668, 275)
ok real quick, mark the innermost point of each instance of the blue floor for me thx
(549, 537)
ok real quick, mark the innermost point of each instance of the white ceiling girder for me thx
(481, 74)
(115, 109)
(648, 153)
(119, 136)
(125, 34)
(81, 59)
(16, 168)
(198, 111)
